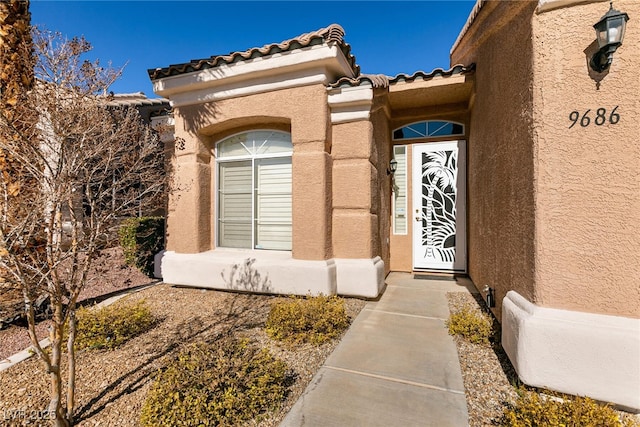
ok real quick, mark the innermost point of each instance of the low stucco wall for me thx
(574, 352)
(272, 272)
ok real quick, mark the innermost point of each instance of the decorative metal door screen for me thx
(439, 232)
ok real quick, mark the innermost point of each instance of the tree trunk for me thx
(71, 361)
(56, 335)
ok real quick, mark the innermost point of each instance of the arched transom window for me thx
(428, 129)
(254, 190)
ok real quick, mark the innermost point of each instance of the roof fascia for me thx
(470, 20)
(436, 81)
(545, 5)
(314, 64)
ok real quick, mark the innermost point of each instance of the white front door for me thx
(439, 194)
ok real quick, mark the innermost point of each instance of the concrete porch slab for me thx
(404, 347)
(339, 398)
(413, 301)
(395, 366)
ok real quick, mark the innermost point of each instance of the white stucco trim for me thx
(279, 272)
(350, 103)
(360, 277)
(573, 352)
(349, 114)
(323, 63)
(545, 5)
(249, 87)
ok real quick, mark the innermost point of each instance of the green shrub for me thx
(111, 326)
(142, 238)
(470, 324)
(530, 409)
(225, 383)
(313, 319)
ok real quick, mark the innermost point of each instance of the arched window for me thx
(428, 129)
(254, 190)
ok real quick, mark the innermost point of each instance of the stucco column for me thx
(311, 201)
(189, 216)
(355, 183)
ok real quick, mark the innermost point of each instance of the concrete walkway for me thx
(396, 366)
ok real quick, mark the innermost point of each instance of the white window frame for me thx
(248, 157)
(426, 137)
(404, 179)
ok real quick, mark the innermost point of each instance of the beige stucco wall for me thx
(382, 156)
(553, 211)
(303, 111)
(588, 178)
(501, 150)
(186, 230)
(341, 196)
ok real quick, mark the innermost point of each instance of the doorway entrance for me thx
(439, 206)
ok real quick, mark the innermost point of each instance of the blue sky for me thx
(386, 37)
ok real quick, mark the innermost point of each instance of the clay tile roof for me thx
(421, 75)
(380, 80)
(334, 33)
(375, 80)
(136, 99)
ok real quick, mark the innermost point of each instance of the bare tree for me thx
(83, 166)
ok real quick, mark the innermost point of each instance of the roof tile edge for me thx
(334, 33)
(382, 81)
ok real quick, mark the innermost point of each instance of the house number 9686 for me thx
(598, 117)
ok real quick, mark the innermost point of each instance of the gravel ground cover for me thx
(112, 385)
(490, 380)
(486, 371)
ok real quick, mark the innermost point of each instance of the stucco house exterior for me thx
(284, 180)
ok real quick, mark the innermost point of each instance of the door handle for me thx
(418, 218)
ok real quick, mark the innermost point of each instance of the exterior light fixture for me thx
(393, 166)
(609, 34)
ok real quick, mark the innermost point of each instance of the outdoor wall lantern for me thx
(609, 33)
(393, 166)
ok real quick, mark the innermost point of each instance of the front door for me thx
(439, 232)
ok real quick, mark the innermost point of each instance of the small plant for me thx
(470, 324)
(141, 239)
(307, 320)
(111, 326)
(532, 409)
(225, 383)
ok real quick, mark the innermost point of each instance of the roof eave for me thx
(324, 62)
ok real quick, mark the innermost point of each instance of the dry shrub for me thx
(470, 324)
(307, 320)
(225, 383)
(533, 409)
(111, 326)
